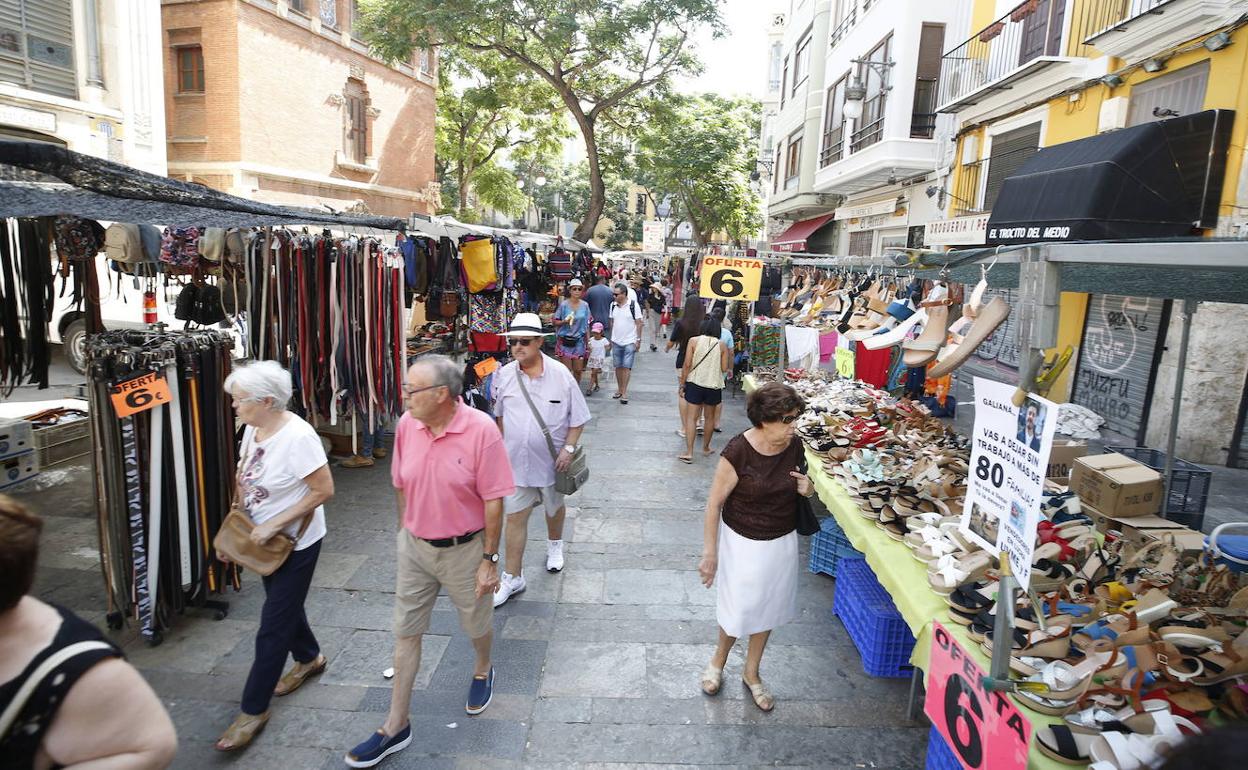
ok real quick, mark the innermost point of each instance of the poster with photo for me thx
(1009, 455)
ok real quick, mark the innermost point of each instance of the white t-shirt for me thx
(598, 348)
(272, 475)
(624, 320)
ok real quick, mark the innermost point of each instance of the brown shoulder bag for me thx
(234, 541)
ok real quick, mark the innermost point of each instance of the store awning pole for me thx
(1189, 310)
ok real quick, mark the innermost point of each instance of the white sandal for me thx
(712, 680)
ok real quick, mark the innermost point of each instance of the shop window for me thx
(357, 121)
(298, 5)
(861, 242)
(37, 46)
(1181, 92)
(793, 162)
(329, 13)
(1010, 150)
(190, 69)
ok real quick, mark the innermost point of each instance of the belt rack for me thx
(161, 472)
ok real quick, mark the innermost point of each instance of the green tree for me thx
(491, 110)
(700, 150)
(566, 194)
(601, 57)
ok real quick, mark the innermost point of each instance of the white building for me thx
(881, 142)
(85, 74)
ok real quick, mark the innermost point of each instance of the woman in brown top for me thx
(752, 548)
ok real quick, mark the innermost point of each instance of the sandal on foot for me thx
(298, 674)
(761, 695)
(241, 731)
(712, 680)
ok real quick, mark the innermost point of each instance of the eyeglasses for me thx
(789, 418)
(409, 391)
(523, 342)
(577, 288)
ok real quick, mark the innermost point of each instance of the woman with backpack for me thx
(702, 382)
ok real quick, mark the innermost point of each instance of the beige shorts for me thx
(529, 497)
(423, 569)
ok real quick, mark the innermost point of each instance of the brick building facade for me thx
(278, 101)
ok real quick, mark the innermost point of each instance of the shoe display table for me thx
(905, 579)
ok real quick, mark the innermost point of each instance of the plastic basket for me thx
(828, 547)
(1188, 486)
(881, 635)
(939, 755)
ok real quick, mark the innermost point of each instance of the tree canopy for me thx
(602, 58)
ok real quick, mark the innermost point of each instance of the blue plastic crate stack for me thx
(939, 755)
(828, 547)
(881, 635)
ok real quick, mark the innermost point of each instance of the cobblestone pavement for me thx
(597, 666)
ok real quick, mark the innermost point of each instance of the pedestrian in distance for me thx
(656, 303)
(750, 536)
(541, 413)
(702, 380)
(450, 473)
(688, 327)
(599, 298)
(572, 330)
(283, 484)
(374, 446)
(68, 698)
(626, 321)
(599, 346)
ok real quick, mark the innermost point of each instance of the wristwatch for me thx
(492, 558)
(570, 448)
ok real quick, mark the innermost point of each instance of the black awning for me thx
(1158, 180)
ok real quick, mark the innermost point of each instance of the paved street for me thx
(597, 666)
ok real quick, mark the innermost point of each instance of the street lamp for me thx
(765, 165)
(856, 93)
(540, 181)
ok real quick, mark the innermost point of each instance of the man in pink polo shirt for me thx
(451, 473)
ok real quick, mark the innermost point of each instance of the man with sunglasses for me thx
(626, 319)
(451, 474)
(535, 398)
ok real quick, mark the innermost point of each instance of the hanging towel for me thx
(827, 347)
(802, 342)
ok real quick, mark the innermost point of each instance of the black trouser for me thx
(283, 628)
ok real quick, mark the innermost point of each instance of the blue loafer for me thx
(378, 747)
(480, 693)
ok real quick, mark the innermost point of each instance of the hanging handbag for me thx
(233, 539)
(448, 305)
(566, 482)
(807, 521)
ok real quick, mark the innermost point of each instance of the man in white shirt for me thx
(626, 319)
(556, 396)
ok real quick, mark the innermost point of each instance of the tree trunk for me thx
(462, 178)
(597, 188)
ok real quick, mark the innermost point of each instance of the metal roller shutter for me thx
(1010, 150)
(1117, 360)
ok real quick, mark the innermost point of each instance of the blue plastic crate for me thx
(881, 635)
(828, 547)
(939, 755)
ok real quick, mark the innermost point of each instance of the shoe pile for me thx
(1133, 648)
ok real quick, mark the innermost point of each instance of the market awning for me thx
(1157, 180)
(51, 180)
(794, 239)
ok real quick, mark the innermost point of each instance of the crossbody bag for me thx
(566, 482)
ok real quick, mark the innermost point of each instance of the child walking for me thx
(598, 346)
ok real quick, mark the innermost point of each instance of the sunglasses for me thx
(410, 391)
(523, 342)
(576, 288)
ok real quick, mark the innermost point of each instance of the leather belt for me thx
(447, 542)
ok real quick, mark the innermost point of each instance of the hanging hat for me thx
(575, 282)
(525, 325)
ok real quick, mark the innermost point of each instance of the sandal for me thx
(298, 674)
(761, 695)
(712, 680)
(241, 731)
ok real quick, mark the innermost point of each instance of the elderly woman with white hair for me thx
(283, 482)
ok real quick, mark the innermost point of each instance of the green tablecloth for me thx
(905, 579)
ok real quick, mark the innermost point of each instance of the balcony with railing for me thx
(1033, 36)
(1132, 29)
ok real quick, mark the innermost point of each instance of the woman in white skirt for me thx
(750, 539)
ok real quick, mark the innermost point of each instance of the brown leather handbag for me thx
(449, 306)
(234, 541)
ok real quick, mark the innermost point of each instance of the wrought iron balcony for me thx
(1032, 36)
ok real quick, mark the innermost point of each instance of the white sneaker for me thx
(554, 555)
(508, 586)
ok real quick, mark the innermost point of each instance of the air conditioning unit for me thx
(1113, 114)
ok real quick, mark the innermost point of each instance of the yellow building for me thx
(1042, 73)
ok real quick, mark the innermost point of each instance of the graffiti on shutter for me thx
(1115, 368)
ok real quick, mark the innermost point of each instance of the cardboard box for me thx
(1139, 530)
(1116, 485)
(1062, 459)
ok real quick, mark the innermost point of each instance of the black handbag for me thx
(807, 521)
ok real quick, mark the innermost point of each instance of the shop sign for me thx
(976, 723)
(872, 222)
(959, 231)
(147, 391)
(860, 210)
(732, 278)
(1009, 456)
(1027, 234)
(652, 233)
(34, 119)
(845, 362)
